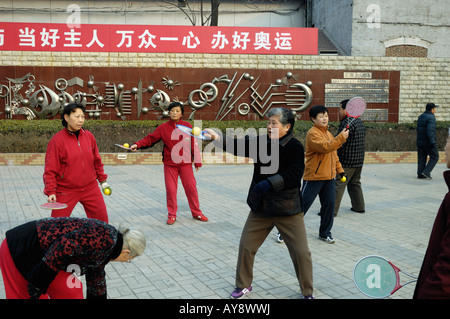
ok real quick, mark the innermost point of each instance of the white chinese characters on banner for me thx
(141, 38)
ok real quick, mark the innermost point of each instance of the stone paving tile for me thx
(196, 260)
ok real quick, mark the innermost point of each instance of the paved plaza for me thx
(196, 260)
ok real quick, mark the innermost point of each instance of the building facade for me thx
(398, 66)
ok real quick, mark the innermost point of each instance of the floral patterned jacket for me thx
(42, 248)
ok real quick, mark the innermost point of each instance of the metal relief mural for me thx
(24, 96)
(261, 102)
(362, 84)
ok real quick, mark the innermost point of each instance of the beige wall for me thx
(422, 80)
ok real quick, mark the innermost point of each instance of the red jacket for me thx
(434, 276)
(72, 163)
(178, 145)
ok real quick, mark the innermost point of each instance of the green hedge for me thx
(21, 136)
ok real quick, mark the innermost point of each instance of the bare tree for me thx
(187, 7)
(214, 12)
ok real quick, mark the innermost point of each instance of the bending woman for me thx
(38, 257)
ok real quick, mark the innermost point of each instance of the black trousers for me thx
(327, 194)
(422, 155)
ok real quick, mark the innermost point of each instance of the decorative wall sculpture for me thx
(145, 93)
(45, 103)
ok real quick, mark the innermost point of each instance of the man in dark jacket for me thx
(434, 276)
(351, 155)
(274, 198)
(426, 142)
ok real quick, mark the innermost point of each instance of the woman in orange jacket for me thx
(321, 165)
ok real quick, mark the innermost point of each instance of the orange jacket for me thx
(321, 159)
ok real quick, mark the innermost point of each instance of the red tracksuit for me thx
(177, 158)
(72, 167)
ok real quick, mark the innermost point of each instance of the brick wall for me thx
(422, 80)
(407, 51)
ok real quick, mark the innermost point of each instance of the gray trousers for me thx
(353, 185)
(293, 230)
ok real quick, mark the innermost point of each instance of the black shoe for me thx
(358, 211)
(426, 176)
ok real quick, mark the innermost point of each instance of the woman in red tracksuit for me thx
(73, 166)
(177, 158)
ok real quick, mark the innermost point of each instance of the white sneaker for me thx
(328, 239)
(279, 238)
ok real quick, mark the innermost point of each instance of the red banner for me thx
(156, 39)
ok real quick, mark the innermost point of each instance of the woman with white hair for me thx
(274, 198)
(38, 258)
